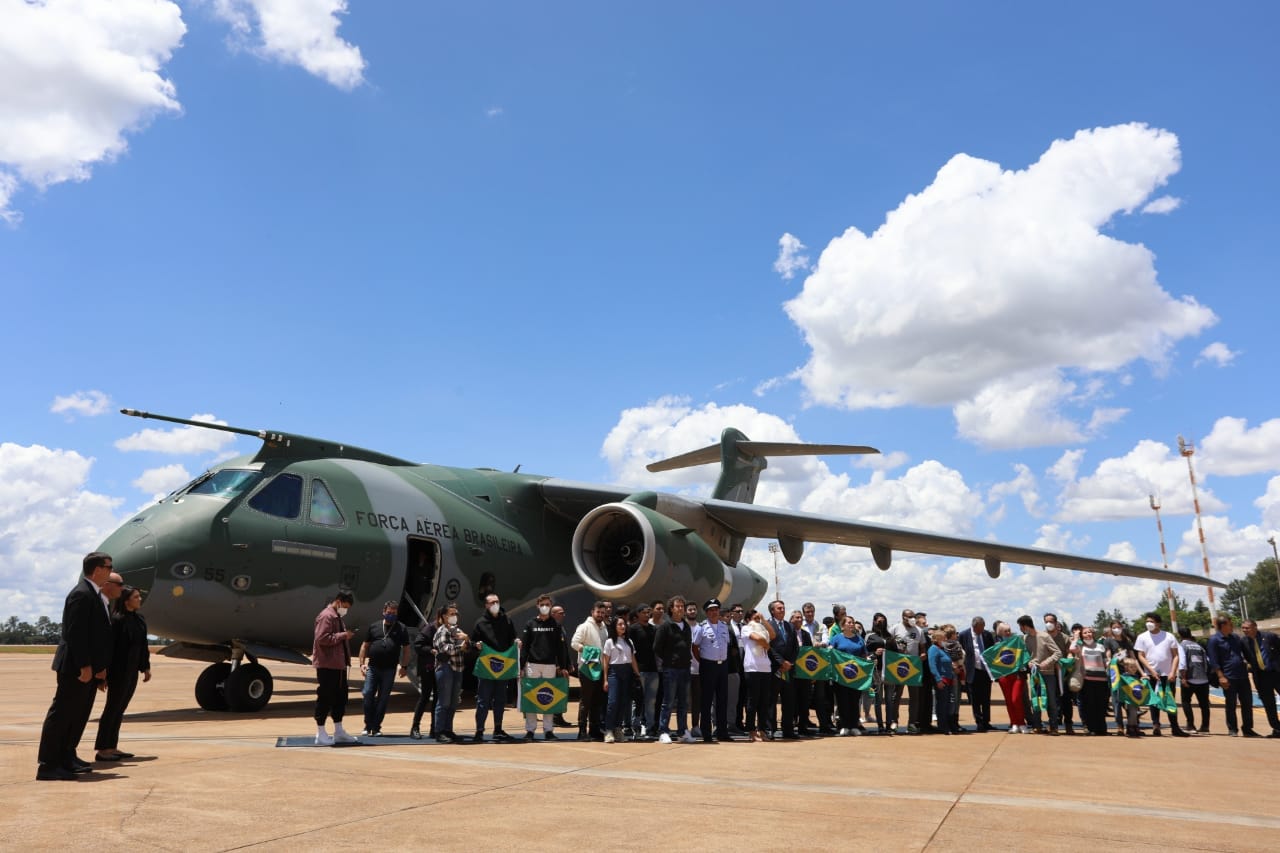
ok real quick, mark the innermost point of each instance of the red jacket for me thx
(330, 650)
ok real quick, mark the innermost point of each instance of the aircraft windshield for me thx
(226, 483)
(282, 497)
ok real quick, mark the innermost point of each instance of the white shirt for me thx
(589, 633)
(618, 652)
(755, 658)
(817, 632)
(1161, 650)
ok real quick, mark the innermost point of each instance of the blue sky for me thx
(490, 234)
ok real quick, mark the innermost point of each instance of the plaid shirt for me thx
(448, 647)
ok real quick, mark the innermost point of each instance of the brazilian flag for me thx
(1168, 702)
(812, 665)
(1006, 657)
(1135, 691)
(544, 695)
(1113, 673)
(589, 666)
(901, 669)
(1037, 691)
(851, 670)
(493, 665)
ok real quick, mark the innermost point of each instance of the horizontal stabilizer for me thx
(712, 453)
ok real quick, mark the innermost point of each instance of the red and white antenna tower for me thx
(1188, 450)
(1164, 556)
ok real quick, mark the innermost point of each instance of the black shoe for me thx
(1251, 733)
(551, 736)
(415, 734)
(77, 764)
(829, 732)
(47, 773)
(1180, 733)
(478, 737)
(78, 768)
(787, 736)
(502, 736)
(1156, 733)
(443, 738)
(561, 722)
(708, 740)
(528, 737)
(724, 738)
(1204, 730)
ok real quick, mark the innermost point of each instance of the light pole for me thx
(777, 585)
(1187, 449)
(1173, 609)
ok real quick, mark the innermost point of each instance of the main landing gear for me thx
(236, 686)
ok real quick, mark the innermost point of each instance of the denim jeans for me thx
(648, 703)
(619, 697)
(675, 693)
(490, 695)
(448, 692)
(377, 693)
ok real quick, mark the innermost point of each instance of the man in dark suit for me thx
(976, 677)
(81, 662)
(782, 655)
(1262, 655)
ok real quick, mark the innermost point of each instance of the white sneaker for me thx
(687, 737)
(844, 733)
(609, 738)
(1014, 730)
(340, 736)
(664, 738)
(644, 732)
(323, 738)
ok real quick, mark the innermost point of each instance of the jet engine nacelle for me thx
(628, 552)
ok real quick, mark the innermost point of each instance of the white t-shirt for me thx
(618, 652)
(1161, 650)
(755, 657)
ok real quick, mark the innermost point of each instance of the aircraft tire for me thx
(248, 687)
(209, 687)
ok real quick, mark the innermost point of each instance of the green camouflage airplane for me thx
(236, 564)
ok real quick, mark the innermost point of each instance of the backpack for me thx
(1197, 661)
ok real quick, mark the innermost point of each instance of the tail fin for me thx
(742, 460)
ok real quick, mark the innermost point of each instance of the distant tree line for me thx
(18, 633)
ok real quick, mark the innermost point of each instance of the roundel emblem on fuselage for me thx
(240, 583)
(451, 589)
(183, 570)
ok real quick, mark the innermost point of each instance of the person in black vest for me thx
(782, 657)
(129, 657)
(974, 640)
(81, 661)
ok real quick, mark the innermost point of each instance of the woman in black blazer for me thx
(129, 657)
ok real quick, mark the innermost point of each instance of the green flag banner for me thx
(493, 665)
(1066, 665)
(1168, 703)
(1036, 690)
(544, 695)
(901, 669)
(850, 670)
(812, 665)
(1113, 673)
(589, 663)
(1135, 691)
(1006, 657)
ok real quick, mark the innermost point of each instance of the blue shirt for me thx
(1226, 653)
(940, 664)
(849, 645)
(711, 641)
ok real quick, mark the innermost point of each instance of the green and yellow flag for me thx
(1113, 673)
(850, 670)
(1006, 657)
(544, 695)
(1135, 691)
(1167, 701)
(901, 669)
(589, 666)
(812, 665)
(493, 665)
(1036, 691)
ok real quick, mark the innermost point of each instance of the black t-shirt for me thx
(385, 644)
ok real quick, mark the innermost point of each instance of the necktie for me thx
(979, 661)
(1257, 652)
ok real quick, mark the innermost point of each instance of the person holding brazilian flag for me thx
(499, 662)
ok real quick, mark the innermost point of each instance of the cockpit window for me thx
(324, 509)
(226, 483)
(281, 497)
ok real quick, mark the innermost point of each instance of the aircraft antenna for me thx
(257, 433)
(1188, 450)
(1173, 609)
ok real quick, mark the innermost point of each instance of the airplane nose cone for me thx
(134, 553)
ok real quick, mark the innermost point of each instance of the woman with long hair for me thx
(450, 642)
(877, 641)
(129, 658)
(1014, 688)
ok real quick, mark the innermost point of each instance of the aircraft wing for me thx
(769, 523)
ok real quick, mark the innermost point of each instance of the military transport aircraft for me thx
(236, 564)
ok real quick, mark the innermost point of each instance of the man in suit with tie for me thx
(977, 678)
(1261, 656)
(80, 662)
(782, 655)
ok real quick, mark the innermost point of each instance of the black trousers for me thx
(1200, 692)
(714, 678)
(804, 700)
(591, 702)
(1237, 691)
(65, 720)
(787, 696)
(331, 695)
(847, 701)
(760, 701)
(119, 694)
(426, 691)
(1094, 698)
(1266, 682)
(980, 698)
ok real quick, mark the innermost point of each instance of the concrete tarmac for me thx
(206, 781)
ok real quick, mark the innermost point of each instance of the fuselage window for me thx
(281, 497)
(226, 483)
(324, 509)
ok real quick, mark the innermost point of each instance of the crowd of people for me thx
(665, 671)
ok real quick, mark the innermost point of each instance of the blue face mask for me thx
(389, 617)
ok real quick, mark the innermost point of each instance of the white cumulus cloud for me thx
(1121, 487)
(790, 261)
(179, 440)
(76, 76)
(991, 290)
(1163, 204)
(1232, 449)
(87, 404)
(1218, 353)
(297, 32)
(159, 482)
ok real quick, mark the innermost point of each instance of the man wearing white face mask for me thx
(546, 655)
(1159, 654)
(496, 630)
(331, 656)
